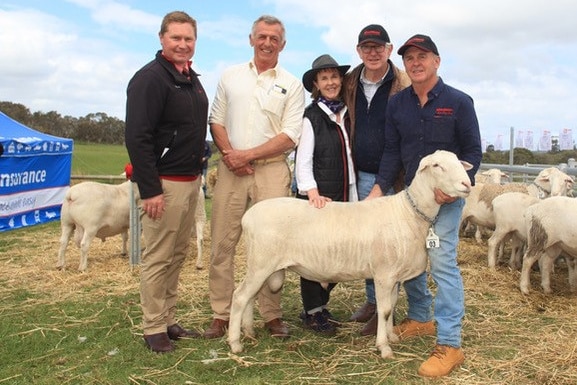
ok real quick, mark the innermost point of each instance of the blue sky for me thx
(517, 61)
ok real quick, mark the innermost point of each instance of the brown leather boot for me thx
(216, 329)
(277, 328)
(158, 342)
(364, 313)
(176, 332)
(370, 328)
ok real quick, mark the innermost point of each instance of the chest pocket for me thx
(274, 103)
(442, 130)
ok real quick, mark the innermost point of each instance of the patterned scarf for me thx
(334, 105)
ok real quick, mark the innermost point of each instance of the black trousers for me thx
(313, 294)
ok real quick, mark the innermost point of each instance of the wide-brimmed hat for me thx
(320, 63)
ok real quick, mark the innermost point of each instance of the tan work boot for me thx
(442, 361)
(411, 328)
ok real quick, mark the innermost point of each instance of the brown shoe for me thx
(370, 328)
(176, 332)
(364, 313)
(411, 328)
(216, 329)
(442, 361)
(277, 328)
(159, 342)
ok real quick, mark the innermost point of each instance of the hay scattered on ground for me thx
(506, 334)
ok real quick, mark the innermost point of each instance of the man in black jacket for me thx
(166, 121)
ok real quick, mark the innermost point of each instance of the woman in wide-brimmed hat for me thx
(324, 167)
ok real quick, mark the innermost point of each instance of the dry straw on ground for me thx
(509, 338)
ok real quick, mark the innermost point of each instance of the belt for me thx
(261, 162)
(179, 178)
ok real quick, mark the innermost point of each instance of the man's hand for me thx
(154, 207)
(441, 197)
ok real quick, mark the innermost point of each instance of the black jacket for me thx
(164, 110)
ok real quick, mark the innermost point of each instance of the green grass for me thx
(98, 159)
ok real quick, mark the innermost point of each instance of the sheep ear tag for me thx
(432, 239)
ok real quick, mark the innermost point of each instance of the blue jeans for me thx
(449, 306)
(365, 184)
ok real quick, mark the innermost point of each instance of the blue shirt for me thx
(446, 122)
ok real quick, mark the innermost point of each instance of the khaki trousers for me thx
(231, 198)
(167, 241)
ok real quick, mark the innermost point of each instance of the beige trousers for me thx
(167, 241)
(231, 198)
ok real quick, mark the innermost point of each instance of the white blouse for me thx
(304, 156)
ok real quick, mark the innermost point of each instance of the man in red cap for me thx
(430, 116)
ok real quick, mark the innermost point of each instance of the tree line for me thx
(100, 128)
(93, 128)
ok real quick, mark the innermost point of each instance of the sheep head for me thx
(448, 173)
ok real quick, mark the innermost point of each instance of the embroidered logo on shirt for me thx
(443, 112)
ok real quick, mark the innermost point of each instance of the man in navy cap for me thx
(421, 119)
(368, 88)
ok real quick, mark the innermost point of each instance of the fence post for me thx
(135, 229)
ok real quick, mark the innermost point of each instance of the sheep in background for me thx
(492, 175)
(551, 231)
(212, 177)
(345, 241)
(478, 208)
(508, 210)
(199, 223)
(92, 209)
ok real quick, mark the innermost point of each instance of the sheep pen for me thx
(508, 337)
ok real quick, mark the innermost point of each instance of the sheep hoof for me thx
(199, 267)
(524, 290)
(386, 352)
(235, 347)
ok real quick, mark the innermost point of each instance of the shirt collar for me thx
(364, 80)
(273, 70)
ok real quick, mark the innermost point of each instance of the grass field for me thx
(67, 327)
(98, 159)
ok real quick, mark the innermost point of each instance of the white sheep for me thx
(199, 222)
(382, 238)
(94, 210)
(478, 207)
(492, 175)
(508, 210)
(550, 232)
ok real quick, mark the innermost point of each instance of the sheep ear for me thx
(466, 165)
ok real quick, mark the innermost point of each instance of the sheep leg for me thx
(546, 266)
(494, 243)
(384, 295)
(243, 294)
(199, 239)
(516, 253)
(571, 269)
(84, 246)
(200, 220)
(124, 236)
(67, 231)
(529, 259)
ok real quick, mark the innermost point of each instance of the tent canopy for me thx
(34, 175)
